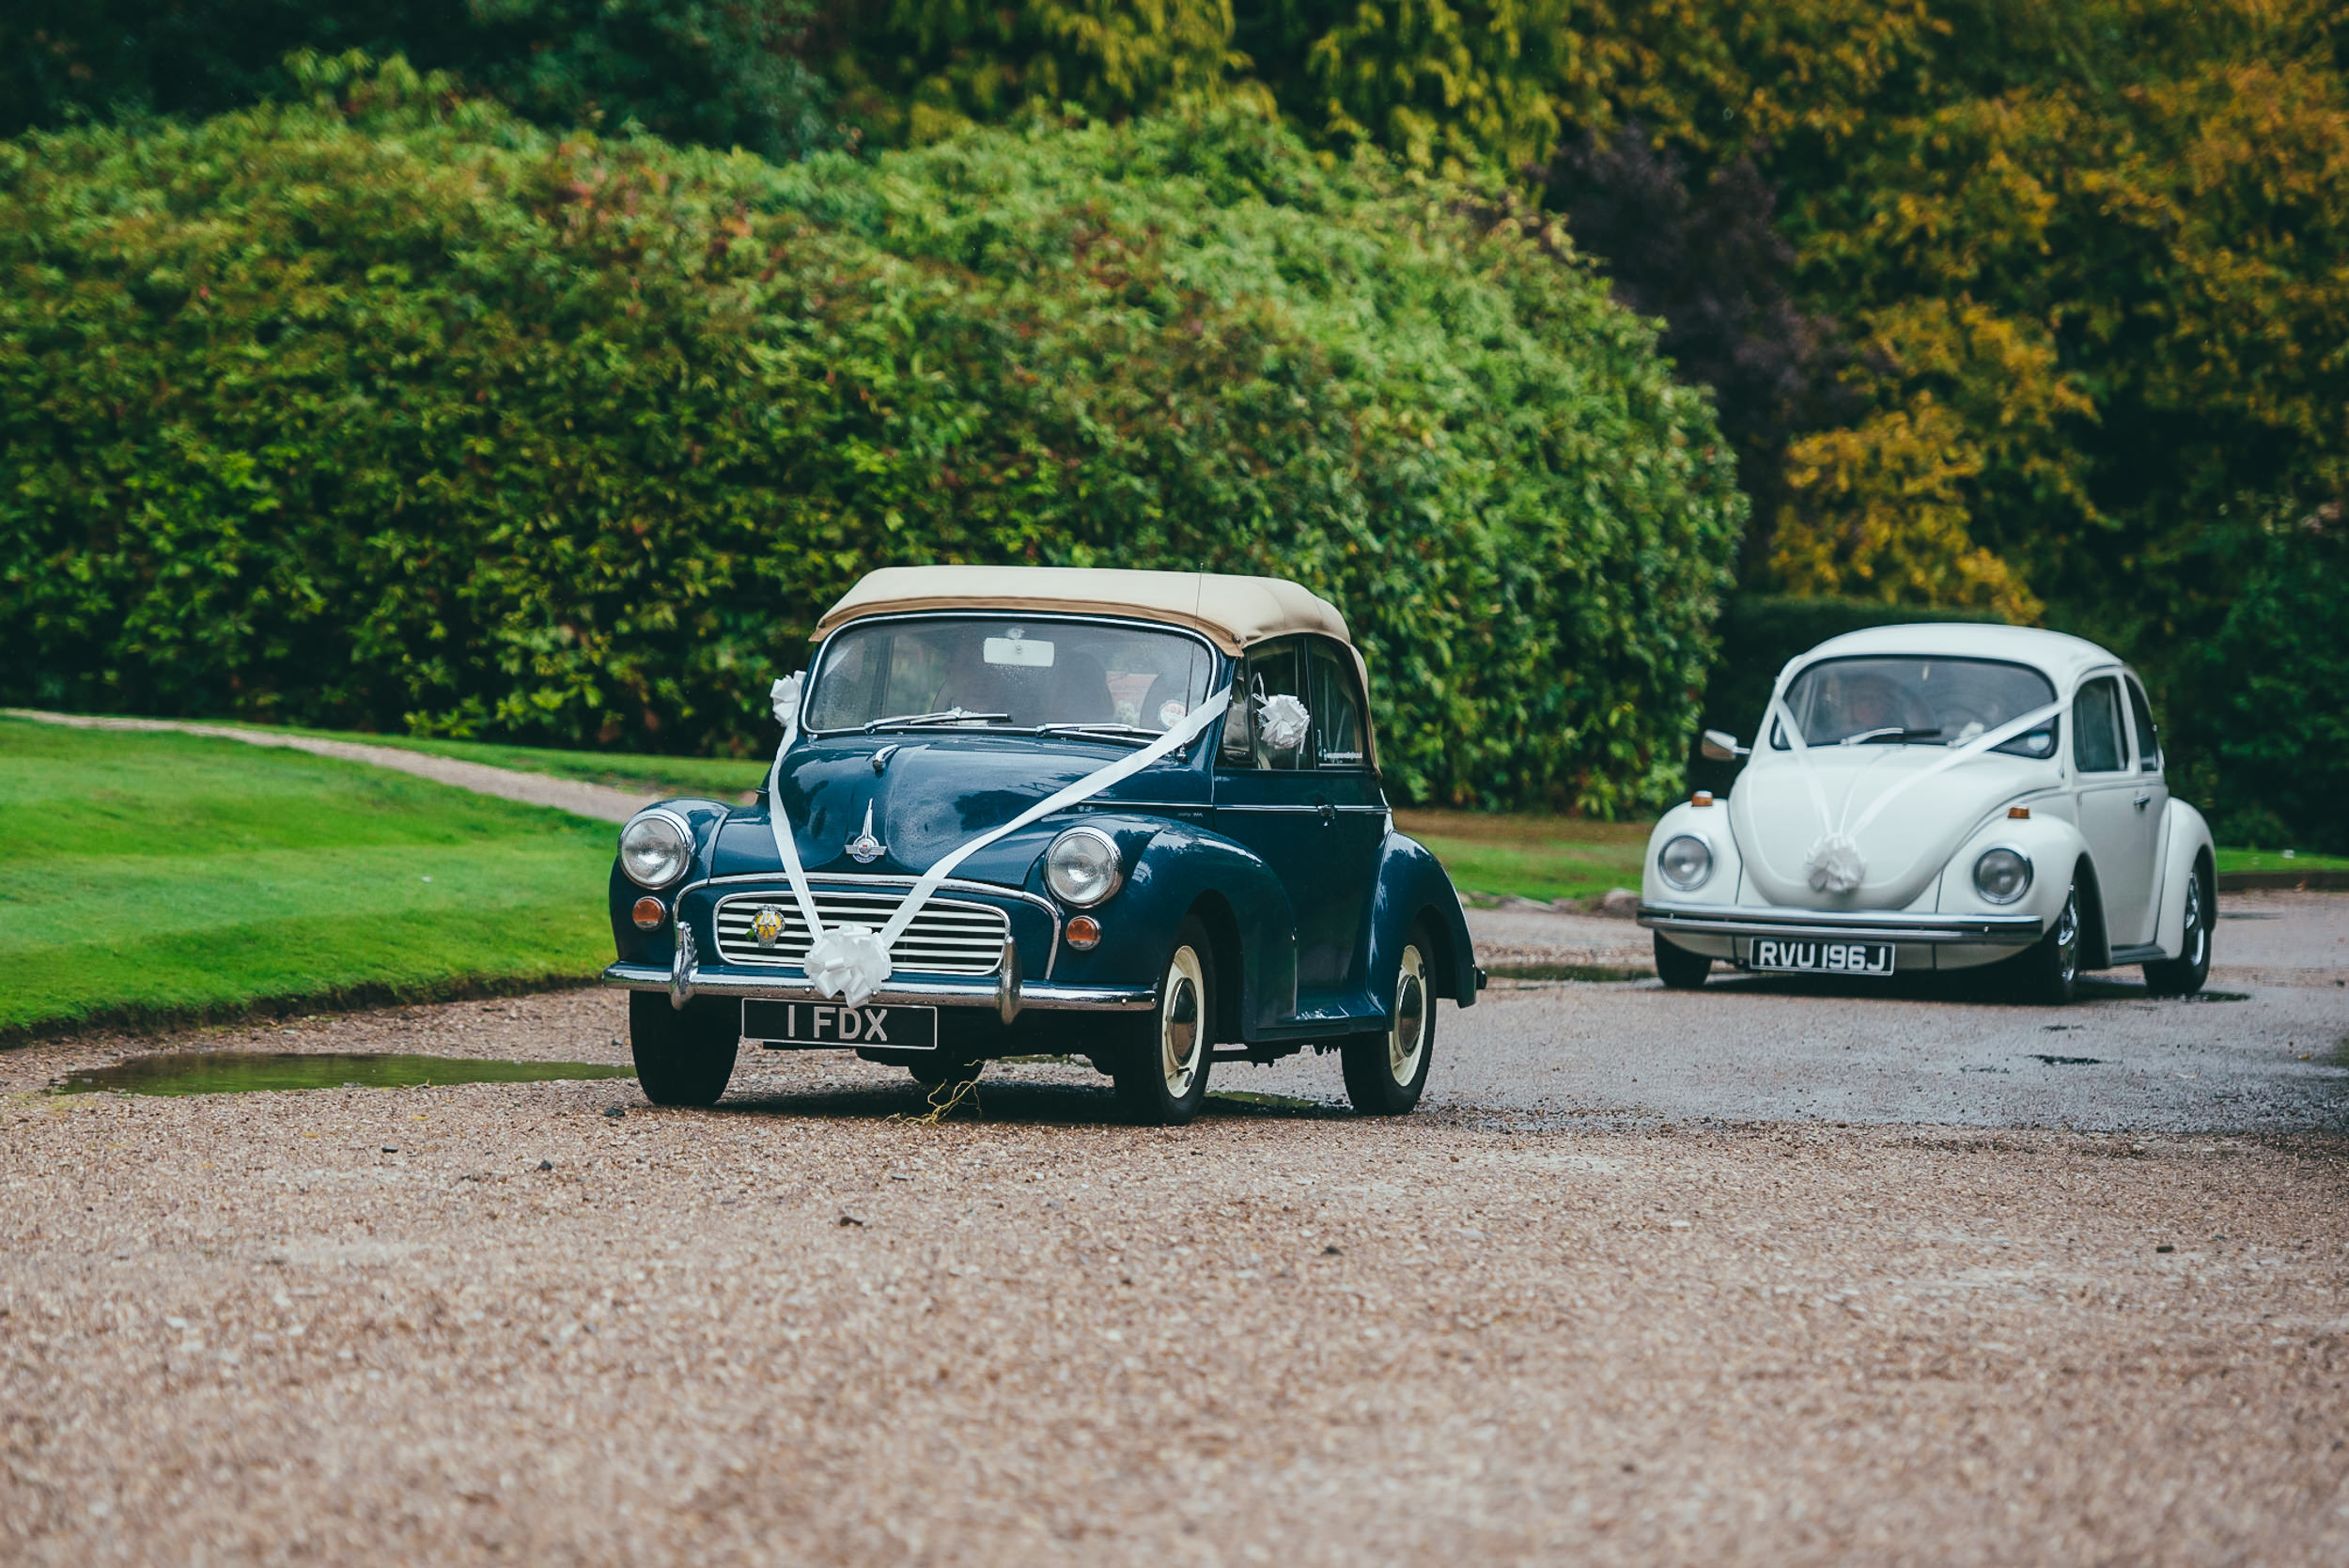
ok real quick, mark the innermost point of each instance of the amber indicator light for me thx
(1084, 933)
(1702, 797)
(2019, 813)
(649, 913)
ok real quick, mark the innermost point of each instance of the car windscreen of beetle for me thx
(1916, 702)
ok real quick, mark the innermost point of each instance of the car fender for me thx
(2055, 849)
(1710, 823)
(657, 946)
(2185, 840)
(1172, 868)
(1412, 883)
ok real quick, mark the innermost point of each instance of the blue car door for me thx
(1280, 805)
(1350, 808)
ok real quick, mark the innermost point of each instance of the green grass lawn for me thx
(2273, 860)
(153, 877)
(719, 778)
(1542, 858)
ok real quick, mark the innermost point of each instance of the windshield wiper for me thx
(1888, 732)
(1107, 729)
(947, 715)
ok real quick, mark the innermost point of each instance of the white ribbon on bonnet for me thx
(851, 961)
(1835, 863)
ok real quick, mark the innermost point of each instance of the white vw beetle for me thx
(1940, 797)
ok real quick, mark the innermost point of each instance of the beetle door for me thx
(2116, 810)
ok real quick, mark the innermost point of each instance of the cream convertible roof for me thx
(1235, 612)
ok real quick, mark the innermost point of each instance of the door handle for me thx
(1326, 812)
(2142, 801)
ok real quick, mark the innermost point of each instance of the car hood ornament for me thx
(864, 848)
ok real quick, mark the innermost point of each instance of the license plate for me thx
(1799, 958)
(810, 1024)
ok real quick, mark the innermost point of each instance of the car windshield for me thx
(1006, 672)
(1916, 702)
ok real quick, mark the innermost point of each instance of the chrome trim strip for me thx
(912, 993)
(1870, 926)
(883, 879)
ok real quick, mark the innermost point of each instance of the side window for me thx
(2097, 743)
(2148, 735)
(1341, 736)
(1271, 670)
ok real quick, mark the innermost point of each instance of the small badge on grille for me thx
(767, 925)
(864, 848)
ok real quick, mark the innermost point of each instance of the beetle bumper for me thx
(1857, 925)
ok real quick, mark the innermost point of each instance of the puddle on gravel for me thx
(1601, 975)
(1245, 1101)
(253, 1072)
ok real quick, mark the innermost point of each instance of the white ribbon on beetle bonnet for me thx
(851, 961)
(1835, 863)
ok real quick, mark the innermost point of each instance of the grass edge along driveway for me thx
(156, 878)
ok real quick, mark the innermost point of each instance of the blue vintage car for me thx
(1130, 815)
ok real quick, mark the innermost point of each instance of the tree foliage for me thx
(386, 409)
(724, 72)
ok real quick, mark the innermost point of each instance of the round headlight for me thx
(1685, 861)
(654, 850)
(2003, 875)
(1081, 867)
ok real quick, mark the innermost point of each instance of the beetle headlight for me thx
(2003, 875)
(1685, 861)
(655, 851)
(1081, 867)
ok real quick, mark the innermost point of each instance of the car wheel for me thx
(1679, 969)
(1386, 1073)
(2184, 976)
(1160, 1069)
(683, 1056)
(2048, 973)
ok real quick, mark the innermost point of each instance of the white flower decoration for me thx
(1281, 722)
(1835, 864)
(848, 962)
(785, 696)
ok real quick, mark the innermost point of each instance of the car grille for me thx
(948, 937)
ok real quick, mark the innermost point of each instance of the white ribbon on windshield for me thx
(1835, 863)
(851, 961)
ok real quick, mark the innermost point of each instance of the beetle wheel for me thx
(2048, 973)
(1679, 969)
(2184, 976)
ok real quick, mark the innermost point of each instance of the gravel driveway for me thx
(1557, 1317)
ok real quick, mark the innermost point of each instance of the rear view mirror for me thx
(1722, 746)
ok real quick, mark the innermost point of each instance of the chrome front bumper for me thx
(987, 991)
(1848, 925)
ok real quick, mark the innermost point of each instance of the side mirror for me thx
(1722, 746)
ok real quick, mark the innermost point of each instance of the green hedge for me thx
(388, 410)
